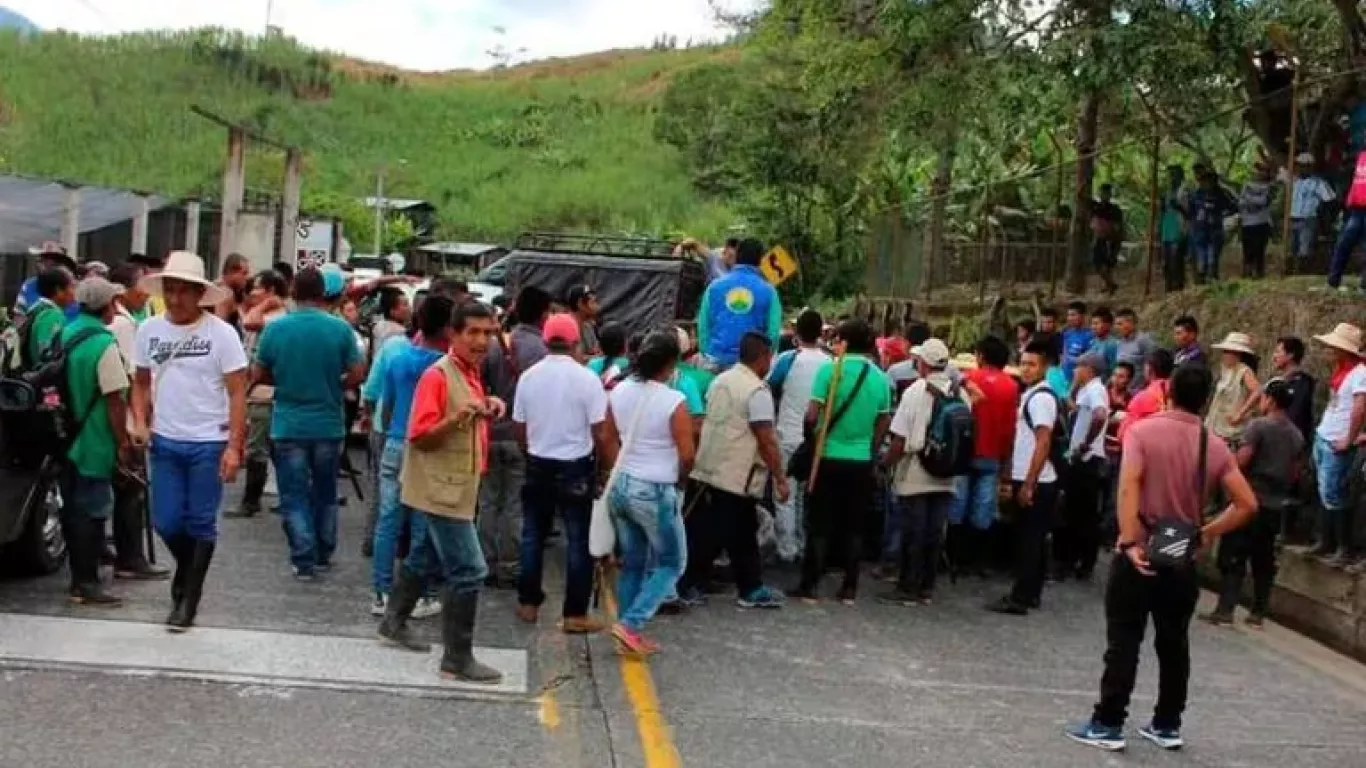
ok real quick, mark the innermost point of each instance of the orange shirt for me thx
(1153, 399)
(429, 405)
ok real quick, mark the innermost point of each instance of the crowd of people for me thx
(747, 449)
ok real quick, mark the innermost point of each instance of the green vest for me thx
(94, 452)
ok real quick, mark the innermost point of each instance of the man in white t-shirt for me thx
(790, 380)
(1034, 480)
(1335, 441)
(559, 414)
(196, 426)
(1076, 544)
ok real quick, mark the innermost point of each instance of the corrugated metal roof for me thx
(31, 210)
(460, 249)
(397, 203)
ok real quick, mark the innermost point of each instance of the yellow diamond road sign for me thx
(778, 265)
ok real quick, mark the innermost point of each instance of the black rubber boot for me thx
(182, 551)
(1230, 591)
(1328, 535)
(257, 471)
(1342, 555)
(129, 541)
(87, 541)
(393, 629)
(458, 614)
(183, 615)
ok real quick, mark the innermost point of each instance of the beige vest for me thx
(444, 480)
(728, 456)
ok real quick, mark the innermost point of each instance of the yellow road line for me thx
(656, 738)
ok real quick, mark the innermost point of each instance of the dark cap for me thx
(147, 261)
(577, 295)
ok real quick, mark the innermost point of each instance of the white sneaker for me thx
(378, 607)
(426, 608)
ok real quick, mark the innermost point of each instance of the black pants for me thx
(1255, 545)
(567, 487)
(1077, 540)
(1255, 239)
(723, 521)
(835, 513)
(1130, 598)
(922, 539)
(1031, 543)
(1174, 265)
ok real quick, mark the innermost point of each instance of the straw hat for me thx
(187, 268)
(1345, 336)
(1236, 342)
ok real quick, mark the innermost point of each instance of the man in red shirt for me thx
(995, 397)
(1153, 399)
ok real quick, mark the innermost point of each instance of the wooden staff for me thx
(1288, 258)
(825, 420)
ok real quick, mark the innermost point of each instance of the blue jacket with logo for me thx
(734, 305)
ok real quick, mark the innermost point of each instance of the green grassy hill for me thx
(561, 144)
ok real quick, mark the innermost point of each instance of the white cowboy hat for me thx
(1236, 342)
(1345, 336)
(187, 268)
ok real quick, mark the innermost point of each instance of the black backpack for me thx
(1062, 429)
(43, 394)
(950, 438)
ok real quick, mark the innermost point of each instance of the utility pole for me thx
(270, 8)
(379, 210)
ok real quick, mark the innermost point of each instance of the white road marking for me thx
(243, 656)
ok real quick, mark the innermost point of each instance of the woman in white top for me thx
(650, 421)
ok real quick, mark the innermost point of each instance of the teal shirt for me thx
(307, 352)
(692, 394)
(1057, 381)
(373, 390)
(599, 365)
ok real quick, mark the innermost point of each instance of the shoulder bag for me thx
(602, 535)
(1173, 542)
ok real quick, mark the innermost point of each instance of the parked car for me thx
(31, 540)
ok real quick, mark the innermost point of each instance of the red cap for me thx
(561, 327)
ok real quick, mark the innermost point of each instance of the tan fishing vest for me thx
(728, 456)
(444, 480)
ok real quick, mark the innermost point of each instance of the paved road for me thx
(283, 674)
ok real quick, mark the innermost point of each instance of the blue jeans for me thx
(1332, 470)
(394, 515)
(306, 473)
(975, 495)
(653, 546)
(448, 547)
(186, 491)
(1353, 230)
(566, 486)
(1206, 247)
(1303, 233)
(85, 498)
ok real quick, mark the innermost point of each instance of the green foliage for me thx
(556, 145)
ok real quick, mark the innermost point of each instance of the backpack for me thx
(950, 439)
(48, 400)
(17, 341)
(1062, 429)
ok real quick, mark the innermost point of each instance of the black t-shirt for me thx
(1301, 410)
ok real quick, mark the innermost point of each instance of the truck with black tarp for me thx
(639, 282)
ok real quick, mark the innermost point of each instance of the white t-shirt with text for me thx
(1043, 410)
(188, 365)
(1337, 417)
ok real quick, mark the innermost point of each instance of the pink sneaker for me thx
(632, 642)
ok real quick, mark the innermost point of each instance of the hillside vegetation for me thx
(565, 144)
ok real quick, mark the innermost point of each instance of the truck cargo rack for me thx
(597, 245)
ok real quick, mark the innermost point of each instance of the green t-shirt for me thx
(94, 452)
(702, 379)
(307, 352)
(599, 365)
(47, 319)
(852, 437)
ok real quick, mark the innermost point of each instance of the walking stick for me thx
(825, 421)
